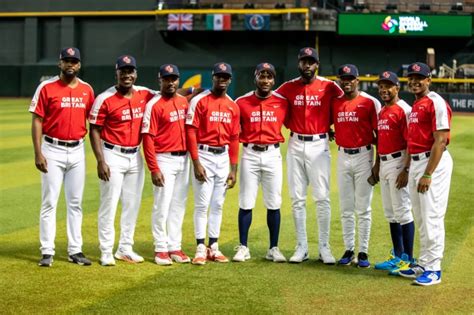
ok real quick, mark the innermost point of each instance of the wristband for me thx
(426, 176)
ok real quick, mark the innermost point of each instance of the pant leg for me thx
(218, 196)
(250, 176)
(345, 178)
(272, 178)
(202, 195)
(386, 192)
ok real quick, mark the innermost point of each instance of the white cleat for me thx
(107, 259)
(275, 255)
(129, 256)
(326, 256)
(243, 254)
(300, 255)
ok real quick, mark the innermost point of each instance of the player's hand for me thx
(402, 180)
(231, 179)
(376, 172)
(200, 172)
(424, 185)
(332, 135)
(158, 179)
(41, 163)
(103, 171)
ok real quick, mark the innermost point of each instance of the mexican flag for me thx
(218, 22)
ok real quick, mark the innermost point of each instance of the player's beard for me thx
(69, 73)
(307, 74)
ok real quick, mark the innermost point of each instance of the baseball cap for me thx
(308, 52)
(389, 76)
(167, 70)
(265, 66)
(348, 70)
(125, 61)
(70, 52)
(419, 68)
(222, 67)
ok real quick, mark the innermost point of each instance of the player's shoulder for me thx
(84, 83)
(325, 80)
(278, 96)
(196, 99)
(111, 91)
(244, 97)
(369, 97)
(48, 82)
(144, 89)
(403, 106)
(435, 97)
(290, 82)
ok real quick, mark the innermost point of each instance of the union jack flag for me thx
(180, 22)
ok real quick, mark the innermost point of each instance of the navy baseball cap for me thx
(265, 66)
(419, 68)
(389, 76)
(308, 52)
(167, 70)
(125, 61)
(348, 70)
(70, 52)
(222, 68)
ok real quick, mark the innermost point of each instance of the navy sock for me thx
(199, 241)
(245, 220)
(273, 222)
(397, 238)
(212, 240)
(408, 231)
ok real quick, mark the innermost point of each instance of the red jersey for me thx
(120, 117)
(164, 119)
(64, 109)
(430, 113)
(310, 104)
(261, 119)
(393, 128)
(216, 118)
(355, 120)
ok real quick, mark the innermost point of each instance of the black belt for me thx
(215, 150)
(262, 148)
(393, 155)
(420, 156)
(63, 143)
(310, 138)
(123, 150)
(178, 153)
(355, 151)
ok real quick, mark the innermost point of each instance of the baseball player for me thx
(394, 163)
(164, 143)
(213, 140)
(262, 114)
(355, 123)
(430, 172)
(59, 108)
(116, 121)
(308, 156)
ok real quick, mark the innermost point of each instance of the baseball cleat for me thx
(129, 256)
(243, 254)
(214, 254)
(201, 255)
(412, 272)
(300, 255)
(428, 278)
(403, 264)
(163, 259)
(179, 256)
(347, 258)
(46, 261)
(326, 256)
(363, 260)
(79, 259)
(274, 254)
(107, 259)
(391, 263)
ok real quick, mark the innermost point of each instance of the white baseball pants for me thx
(260, 167)
(396, 202)
(309, 163)
(169, 203)
(68, 165)
(126, 182)
(210, 194)
(355, 196)
(429, 209)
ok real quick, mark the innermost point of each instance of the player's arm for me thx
(402, 179)
(149, 149)
(36, 134)
(437, 149)
(103, 170)
(191, 143)
(233, 156)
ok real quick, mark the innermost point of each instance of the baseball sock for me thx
(397, 238)
(408, 231)
(212, 240)
(273, 223)
(199, 241)
(245, 220)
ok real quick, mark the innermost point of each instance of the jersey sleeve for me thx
(284, 90)
(39, 101)
(336, 90)
(236, 123)
(374, 116)
(91, 100)
(98, 112)
(194, 113)
(150, 120)
(441, 116)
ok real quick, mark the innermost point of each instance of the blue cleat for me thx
(390, 264)
(403, 264)
(363, 260)
(412, 271)
(429, 278)
(347, 258)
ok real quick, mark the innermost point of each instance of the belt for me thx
(356, 150)
(261, 148)
(417, 157)
(395, 155)
(70, 144)
(121, 149)
(215, 150)
(309, 138)
(178, 153)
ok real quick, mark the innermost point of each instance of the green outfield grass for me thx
(256, 286)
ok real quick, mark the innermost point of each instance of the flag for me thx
(180, 22)
(218, 22)
(257, 22)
